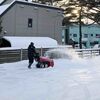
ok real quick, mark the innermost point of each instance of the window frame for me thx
(30, 22)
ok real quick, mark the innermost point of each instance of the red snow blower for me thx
(43, 62)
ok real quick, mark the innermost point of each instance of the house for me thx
(25, 18)
(90, 34)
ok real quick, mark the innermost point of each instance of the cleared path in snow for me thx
(69, 79)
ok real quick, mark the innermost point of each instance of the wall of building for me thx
(9, 21)
(45, 21)
(90, 34)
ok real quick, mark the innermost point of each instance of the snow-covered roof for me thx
(23, 42)
(3, 8)
(1, 1)
(6, 6)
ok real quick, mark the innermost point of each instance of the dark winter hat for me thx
(32, 43)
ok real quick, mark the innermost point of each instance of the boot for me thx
(29, 66)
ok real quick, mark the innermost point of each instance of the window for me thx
(30, 22)
(91, 34)
(97, 35)
(74, 35)
(85, 35)
(70, 34)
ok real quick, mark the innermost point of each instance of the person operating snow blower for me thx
(31, 54)
(42, 61)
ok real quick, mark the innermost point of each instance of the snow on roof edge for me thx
(6, 6)
(1, 1)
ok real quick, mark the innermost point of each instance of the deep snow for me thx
(69, 79)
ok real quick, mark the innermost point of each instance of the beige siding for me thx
(23, 13)
(9, 22)
(49, 23)
(45, 22)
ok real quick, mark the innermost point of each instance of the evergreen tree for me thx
(49, 2)
(78, 11)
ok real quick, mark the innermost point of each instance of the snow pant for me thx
(31, 60)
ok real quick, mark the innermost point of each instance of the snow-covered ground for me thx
(69, 79)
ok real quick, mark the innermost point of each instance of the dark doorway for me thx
(5, 43)
(66, 36)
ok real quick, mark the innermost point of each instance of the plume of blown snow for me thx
(62, 53)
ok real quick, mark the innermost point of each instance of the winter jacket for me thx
(31, 51)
